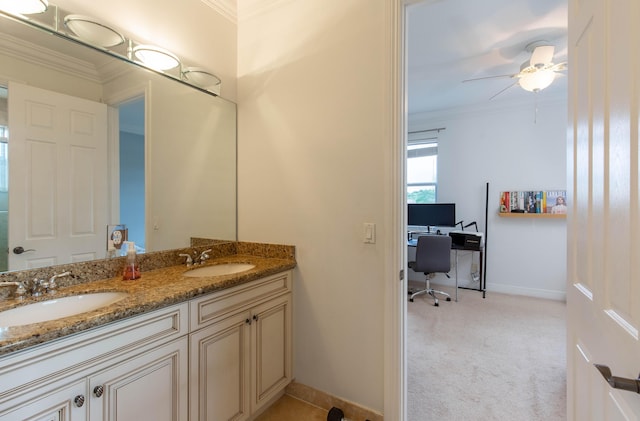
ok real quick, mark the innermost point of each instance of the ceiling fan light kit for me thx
(537, 80)
(538, 72)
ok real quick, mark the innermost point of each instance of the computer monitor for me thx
(431, 214)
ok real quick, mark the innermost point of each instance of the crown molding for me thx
(227, 8)
(43, 57)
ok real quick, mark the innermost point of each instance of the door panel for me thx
(58, 189)
(603, 291)
(150, 386)
(52, 405)
(272, 336)
(220, 370)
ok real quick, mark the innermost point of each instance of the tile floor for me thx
(288, 408)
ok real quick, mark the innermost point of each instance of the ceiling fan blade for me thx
(542, 55)
(510, 86)
(559, 67)
(487, 77)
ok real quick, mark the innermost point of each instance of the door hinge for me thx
(401, 275)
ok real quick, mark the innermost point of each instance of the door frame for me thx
(395, 384)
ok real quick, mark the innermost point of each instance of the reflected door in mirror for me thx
(58, 177)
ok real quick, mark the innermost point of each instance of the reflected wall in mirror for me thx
(162, 159)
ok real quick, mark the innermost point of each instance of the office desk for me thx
(413, 242)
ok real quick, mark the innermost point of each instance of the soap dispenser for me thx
(131, 269)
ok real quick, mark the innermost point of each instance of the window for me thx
(422, 171)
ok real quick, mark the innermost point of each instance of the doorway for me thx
(452, 186)
(131, 145)
(4, 181)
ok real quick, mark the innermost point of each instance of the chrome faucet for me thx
(51, 288)
(189, 260)
(196, 259)
(37, 287)
(20, 290)
(204, 256)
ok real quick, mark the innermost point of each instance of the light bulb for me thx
(155, 57)
(537, 81)
(24, 7)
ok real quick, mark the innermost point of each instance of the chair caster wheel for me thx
(448, 298)
(436, 304)
(411, 299)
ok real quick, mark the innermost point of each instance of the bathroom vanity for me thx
(177, 348)
(206, 346)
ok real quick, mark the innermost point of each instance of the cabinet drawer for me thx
(216, 306)
(68, 357)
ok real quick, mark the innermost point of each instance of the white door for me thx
(603, 290)
(57, 178)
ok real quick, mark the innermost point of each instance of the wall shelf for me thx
(532, 215)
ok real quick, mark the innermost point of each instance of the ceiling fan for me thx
(535, 74)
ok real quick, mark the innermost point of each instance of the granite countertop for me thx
(155, 289)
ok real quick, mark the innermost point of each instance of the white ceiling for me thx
(449, 41)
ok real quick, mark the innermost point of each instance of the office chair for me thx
(433, 255)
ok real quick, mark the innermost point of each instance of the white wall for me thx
(511, 148)
(314, 109)
(313, 167)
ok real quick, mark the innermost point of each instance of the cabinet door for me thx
(271, 349)
(149, 386)
(59, 405)
(220, 370)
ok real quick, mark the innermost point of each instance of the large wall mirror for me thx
(89, 141)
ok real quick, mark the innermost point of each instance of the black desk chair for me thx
(433, 255)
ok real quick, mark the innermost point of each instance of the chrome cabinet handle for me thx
(79, 400)
(98, 391)
(632, 385)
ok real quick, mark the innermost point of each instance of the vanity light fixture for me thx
(92, 31)
(89, 31)
(200, 77)
(24, 7)
(155, 57)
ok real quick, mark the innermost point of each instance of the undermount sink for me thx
(58, 308)
(219, 269)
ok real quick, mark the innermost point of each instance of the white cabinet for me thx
(237, 359)
(59, 404)
(150, 386)
(220, 370)
(270, 350)
(140, 363)
(240, 349)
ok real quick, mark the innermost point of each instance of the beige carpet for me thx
(498, 358)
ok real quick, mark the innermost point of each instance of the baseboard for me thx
(528, 292)
(326, 401)
(508, 289)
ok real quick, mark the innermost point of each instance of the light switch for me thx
(369, 233)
